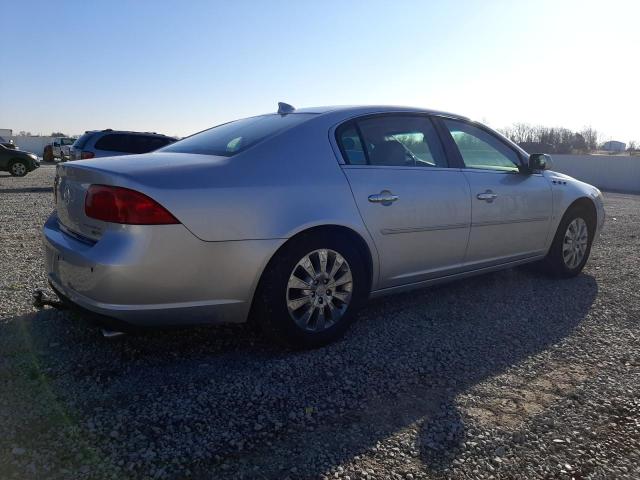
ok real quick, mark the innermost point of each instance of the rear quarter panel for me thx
(273, 190)
(278, 188)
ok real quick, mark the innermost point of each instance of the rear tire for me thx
(18, 168)
(300, 301)
(571, 245)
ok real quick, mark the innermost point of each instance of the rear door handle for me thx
(487, 196)
(385, 197)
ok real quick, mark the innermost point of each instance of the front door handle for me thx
(487, 196)
(385, 197)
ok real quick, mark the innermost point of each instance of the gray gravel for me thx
(508, 375)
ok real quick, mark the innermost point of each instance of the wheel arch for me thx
(588, 206)
(335, 229)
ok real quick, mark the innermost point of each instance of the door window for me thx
(480, 149)
(115, 142)
(351, 146)
(392, 140)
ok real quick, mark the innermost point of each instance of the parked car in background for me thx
(17, 162)
(295, 218)
(60, 147)
(110, 143)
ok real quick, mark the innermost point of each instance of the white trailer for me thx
(5, 134)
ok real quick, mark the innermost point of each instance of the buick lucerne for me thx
(293, 219)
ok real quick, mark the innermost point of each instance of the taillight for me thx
(122, 205)
(86, 155)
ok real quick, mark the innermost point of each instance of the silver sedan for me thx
(294, 219)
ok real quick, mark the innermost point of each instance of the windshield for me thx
(234, 137)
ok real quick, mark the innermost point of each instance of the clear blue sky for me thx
(180, 66)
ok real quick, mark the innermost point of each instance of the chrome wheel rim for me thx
(319, 290)
(18, 169)
(574, 245)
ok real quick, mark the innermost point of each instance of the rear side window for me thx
(154, 143)
(82, 141)
(146, 143)
(131, 143)
(231, 138)
(392, 140)
(115, 142)
(351, 146)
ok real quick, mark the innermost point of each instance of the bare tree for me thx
(552, 139)
(590, 137)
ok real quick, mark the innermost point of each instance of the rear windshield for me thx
(82, 141)
(234, 137)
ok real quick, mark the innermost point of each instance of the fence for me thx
(607, 172)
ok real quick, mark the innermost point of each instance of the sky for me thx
(177, 67)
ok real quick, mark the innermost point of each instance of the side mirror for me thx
(539, 161)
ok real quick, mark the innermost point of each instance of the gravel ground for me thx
(507, 375)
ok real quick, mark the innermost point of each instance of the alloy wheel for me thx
(574, 244)
(319, 290)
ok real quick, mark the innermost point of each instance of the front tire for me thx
(18, 168)
(311, 290)
(571, 245)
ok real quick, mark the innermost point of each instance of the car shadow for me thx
(26, 190)
(253, 407)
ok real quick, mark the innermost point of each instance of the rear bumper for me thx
(156, 275)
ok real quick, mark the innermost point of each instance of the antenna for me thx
(284, 108)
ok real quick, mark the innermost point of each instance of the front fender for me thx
(567, 190)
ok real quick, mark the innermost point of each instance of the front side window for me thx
(480, 149)
(234, 137)
(395, 140)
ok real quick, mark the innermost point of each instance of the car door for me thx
(510, 209)
(416, 208)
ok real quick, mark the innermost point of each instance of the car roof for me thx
(109, 130)
(355, 110)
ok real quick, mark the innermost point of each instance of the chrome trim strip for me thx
(506, 222)
(392, 231)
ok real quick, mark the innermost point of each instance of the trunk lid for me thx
(159, 175)
(70, 188)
